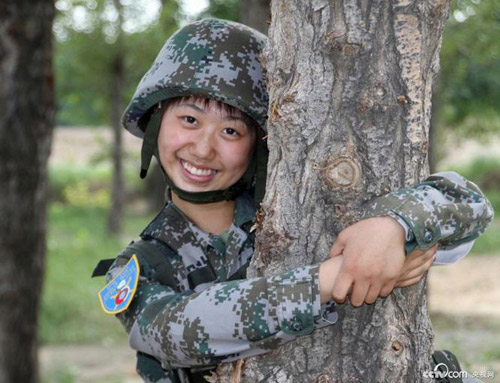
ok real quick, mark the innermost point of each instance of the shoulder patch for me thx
(116, 296)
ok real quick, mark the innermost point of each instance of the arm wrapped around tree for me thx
(446, 209)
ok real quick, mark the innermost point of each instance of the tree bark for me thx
(256, 14)
(115, 214)
(26, 124)
(350, 101)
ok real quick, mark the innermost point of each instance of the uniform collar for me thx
(172, 219)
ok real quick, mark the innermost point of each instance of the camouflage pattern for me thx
(446, 208)
(246, 317)
(210, 58)
(209, 315)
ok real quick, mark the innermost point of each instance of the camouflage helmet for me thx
(214, 59)
(209, 58)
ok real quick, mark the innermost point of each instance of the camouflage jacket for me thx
(209, 314)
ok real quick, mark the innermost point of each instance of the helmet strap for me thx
(150, 141)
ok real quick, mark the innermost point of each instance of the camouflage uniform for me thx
(194, 307)
(209, 315)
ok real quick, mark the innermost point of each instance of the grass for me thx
(473, 339)
(62, 374)
(77, 240)
(489, 242)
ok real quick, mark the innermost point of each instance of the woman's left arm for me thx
(445, 209)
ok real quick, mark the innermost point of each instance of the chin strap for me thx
(257, 169)
(244, 183)
(150, 141)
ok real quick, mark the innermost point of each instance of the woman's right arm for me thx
(229, 320)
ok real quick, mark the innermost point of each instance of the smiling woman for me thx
(202, 109)
(205, 145)
(202, 146)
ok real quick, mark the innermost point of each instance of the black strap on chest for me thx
(102, 267)
(158, 260)
(152, 253)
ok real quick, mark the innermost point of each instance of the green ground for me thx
(77, 241)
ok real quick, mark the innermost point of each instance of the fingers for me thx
(386, 290)
(341, 287)
(420, 270)
(359, 293)
(373, 293)
(337, 248)
(417, 262)
(415, 275)
(410, 282)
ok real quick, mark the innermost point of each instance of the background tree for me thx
(468, 94)
(222, 9)
(111, 44)
(26, 123)
(254, 13)
(466, 100)
(350, 100)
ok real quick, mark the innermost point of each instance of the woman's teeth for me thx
(197, 172)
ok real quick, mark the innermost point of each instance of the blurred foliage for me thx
(222, 9)
(82, 194)
(77, 240)
(86, 35)
(489, 242)
(468, 91)
(89, 186)
(485, 172)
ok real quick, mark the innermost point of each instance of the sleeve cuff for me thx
(297, 300)
(421, 226)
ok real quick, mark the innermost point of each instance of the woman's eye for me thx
(189, 119)
(231, 131)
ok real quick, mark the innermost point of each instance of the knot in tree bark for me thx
(342, 173)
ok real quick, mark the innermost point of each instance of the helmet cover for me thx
(210, 58)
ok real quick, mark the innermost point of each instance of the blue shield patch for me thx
(116, 296)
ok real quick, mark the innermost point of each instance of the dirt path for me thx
(464, 300)
(76, 146)
(88, 364)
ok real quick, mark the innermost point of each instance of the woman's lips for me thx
(196, 173)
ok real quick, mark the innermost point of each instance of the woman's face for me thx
(202, 146)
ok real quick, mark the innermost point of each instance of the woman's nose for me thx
(203, 146)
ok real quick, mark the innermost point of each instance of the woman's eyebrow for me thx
(195, 107)
(234, 118)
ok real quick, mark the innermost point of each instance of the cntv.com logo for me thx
(442, 371)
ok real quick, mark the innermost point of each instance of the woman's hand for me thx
(373, 260)
(416, 265)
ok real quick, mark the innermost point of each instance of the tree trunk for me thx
(350, 100)
(26, 124)
(117, 77)
(256, 14)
